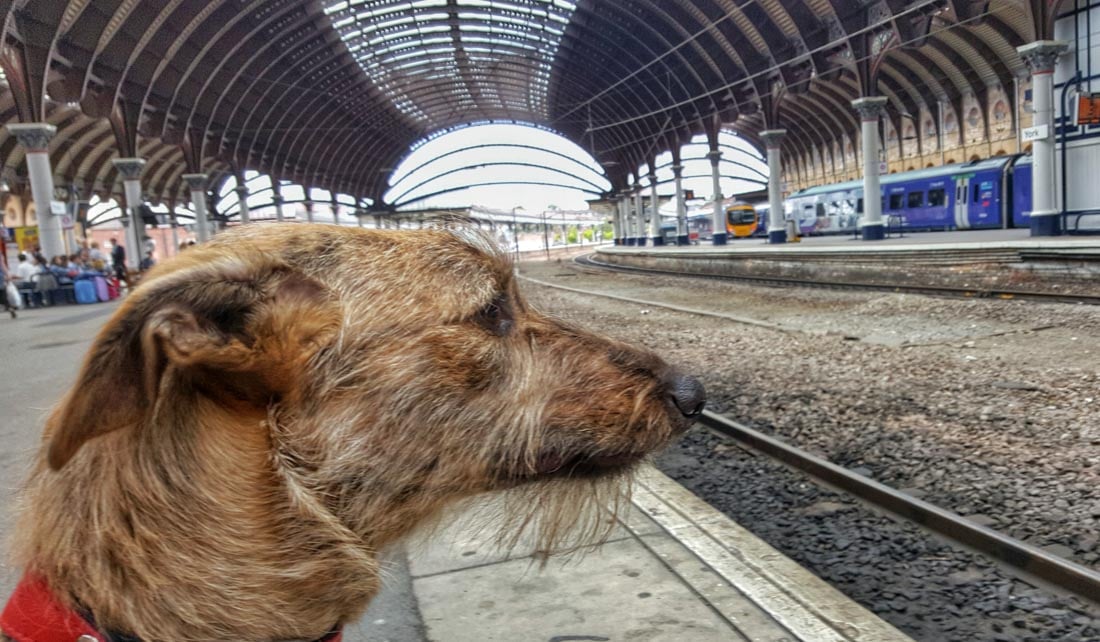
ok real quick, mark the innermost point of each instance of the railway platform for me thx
(1017, 239)
(991, 260)
(675, 569)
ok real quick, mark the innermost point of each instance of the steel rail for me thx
(1032, 561)
(938, 290)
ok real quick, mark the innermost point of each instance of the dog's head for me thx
(385, 373)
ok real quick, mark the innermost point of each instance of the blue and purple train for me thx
(991, 193)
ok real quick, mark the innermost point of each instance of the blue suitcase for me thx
(85, 291)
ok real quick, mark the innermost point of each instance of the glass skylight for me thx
(497, 54)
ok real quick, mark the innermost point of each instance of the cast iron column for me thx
(197, 183)
(638, 233)
(242, 203)
(35, 137)
(1041, 57)
(681, 206)
(772, 139)
(130, 170)
(719, 217)
(626, 205)
(616, 222)
(870, 109)
(655, 222)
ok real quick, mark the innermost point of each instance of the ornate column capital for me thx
(677, 170)
(871, 107)
(197, 182)
(714, 156)
(129, 168)
(277, 198)
(652, 176)
(241, 190)
(34, 136)
(1041, 56)
(773, 137)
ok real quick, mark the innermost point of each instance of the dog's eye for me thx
(496, 317)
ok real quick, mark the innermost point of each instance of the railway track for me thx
(1024, 560)
(588, 260)
(1028, 562)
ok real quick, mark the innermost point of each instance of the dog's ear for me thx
(239, 335)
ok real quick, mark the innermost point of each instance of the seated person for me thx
(24, 277)
(25, 271)
(46, 283)
(59, 267)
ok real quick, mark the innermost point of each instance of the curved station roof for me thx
(333, 94)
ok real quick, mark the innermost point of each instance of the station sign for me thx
(1030, 134)
(57, 208)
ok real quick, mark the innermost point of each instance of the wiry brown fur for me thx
(270, 409)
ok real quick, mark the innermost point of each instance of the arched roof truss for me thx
(332, 94)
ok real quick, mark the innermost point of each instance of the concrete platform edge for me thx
(800, 601)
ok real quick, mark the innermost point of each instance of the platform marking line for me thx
(798, 600)
(669, 306)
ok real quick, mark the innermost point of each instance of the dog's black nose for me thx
(687, 393)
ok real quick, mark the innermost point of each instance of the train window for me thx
(821, 210)
(937, 197)
(916, 199)
(977, 192)
(897, 201)
(743, 216)
(859, 206)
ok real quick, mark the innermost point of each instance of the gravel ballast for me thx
(987, 408)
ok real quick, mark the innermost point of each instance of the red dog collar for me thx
(33, 614)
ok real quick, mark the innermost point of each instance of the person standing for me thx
(118, 258)
(5, 279)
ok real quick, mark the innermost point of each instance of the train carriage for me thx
(741, 220)
(991, 193)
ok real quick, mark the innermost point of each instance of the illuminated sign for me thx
(1088, 109)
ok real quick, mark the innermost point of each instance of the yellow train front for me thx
(741, 220)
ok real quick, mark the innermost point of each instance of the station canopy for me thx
(334, 94)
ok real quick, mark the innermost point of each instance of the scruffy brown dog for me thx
(268, 410)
